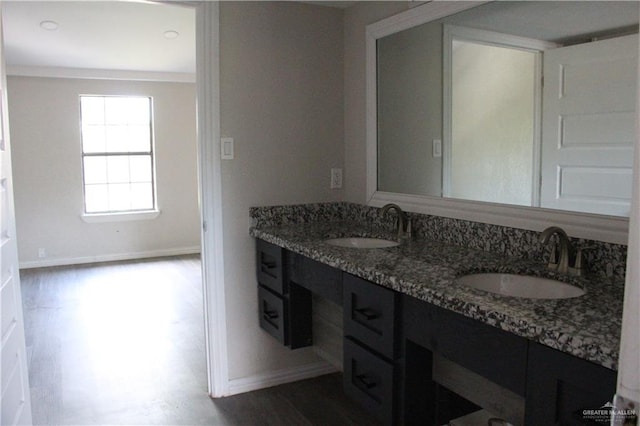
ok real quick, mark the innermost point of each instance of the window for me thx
(117, 154)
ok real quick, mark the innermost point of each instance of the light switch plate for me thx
(437, 148)
(226, 148)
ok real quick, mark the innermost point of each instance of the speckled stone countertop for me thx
(587, 327)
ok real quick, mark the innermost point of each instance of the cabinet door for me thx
(270, 266)
(369, 314)
(560, 387)
(299, 317)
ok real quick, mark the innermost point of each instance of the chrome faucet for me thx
(403, 222)
(562, 262)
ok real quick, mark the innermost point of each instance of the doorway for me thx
(209, 193)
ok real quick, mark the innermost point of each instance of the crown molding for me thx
(100, 74)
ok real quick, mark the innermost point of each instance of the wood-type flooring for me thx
(123, 343)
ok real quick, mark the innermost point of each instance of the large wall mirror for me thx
(517, 107)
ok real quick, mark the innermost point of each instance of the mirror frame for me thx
(610, 229)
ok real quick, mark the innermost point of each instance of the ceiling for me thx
(103, 35)
(129, 35)
(557, 21)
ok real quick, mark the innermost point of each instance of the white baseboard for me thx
(41, 263)
(279, 377)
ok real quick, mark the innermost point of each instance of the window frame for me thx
(128, 214)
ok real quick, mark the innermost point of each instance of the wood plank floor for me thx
(123, 343)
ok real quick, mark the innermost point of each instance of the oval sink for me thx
(521, 286)
(361, 242)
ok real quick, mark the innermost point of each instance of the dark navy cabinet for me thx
(320, 279)
(561, 387)
(392, 339)
(370, 314)
(284, 308)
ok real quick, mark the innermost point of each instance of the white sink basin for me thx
(521, 286)
(361, 242)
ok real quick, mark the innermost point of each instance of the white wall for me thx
(45, 132)
(281, 66)
(410, 111)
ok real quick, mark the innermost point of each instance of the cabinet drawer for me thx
(493, 353)
(369, 380)
(273, 314)
(369, 314)
(270, 268)
(321, 279)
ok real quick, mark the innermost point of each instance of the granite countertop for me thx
(587, 327)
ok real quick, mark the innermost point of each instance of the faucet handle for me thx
(579, 255)
(578, 265)
(579, 259)
(407, 222)
(407, 228)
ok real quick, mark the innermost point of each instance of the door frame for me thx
(210, 190)
(210, 193)
(453, 33)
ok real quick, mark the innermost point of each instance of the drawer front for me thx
(369, 314)
(270, 268)
(493, 353)
(321, 279)
(419, 322)
(369, 380)
(273, 314)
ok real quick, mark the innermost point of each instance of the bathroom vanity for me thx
(405, 317)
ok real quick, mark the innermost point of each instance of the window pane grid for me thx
(117, 154)
(118, 197)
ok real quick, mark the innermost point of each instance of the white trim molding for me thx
(453, 33)
(581, 225)
(100, 74)
(210, 184)
(628, 386)
(42, 263)
(279, 377)
(119, 216)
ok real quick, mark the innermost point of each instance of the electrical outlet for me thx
(42, 253)
(336, 178)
